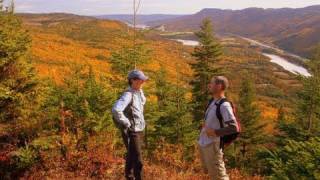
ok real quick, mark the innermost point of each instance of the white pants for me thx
(212, 161)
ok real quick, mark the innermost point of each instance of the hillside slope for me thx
(60, 40)
(295, 30)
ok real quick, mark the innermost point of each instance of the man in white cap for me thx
(128, 115)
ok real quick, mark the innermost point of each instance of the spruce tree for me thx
(87, 98)
(154, 109)
(309, 98)
(128, 59)
(124, 60)
(206, 55)
(298, 141)
(281, 115)
(174, 124)
(249, 114)
(161, 87)
(307, 118)
(18, 83)
(20, 96)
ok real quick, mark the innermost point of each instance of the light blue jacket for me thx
(128, 110)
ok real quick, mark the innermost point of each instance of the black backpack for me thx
(228, 139)
(128, 111)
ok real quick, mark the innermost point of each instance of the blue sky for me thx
(96, 7)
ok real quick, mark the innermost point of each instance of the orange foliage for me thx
(269, 114)
(116, 25)
(103, 160)
(54, 53)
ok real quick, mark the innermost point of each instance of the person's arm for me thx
(229, 121)
(119, 107)
(143, 98)
(231, 128)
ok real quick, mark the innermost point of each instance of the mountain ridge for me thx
(293, 29)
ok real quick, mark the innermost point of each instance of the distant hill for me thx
(142, 19)
(42, 19)
(295, 30)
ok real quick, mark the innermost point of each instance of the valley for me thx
(293, 63)
(295, 30)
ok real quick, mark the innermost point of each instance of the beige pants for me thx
(212, 161)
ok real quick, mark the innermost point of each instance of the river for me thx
(187, 42)
(255, 42)
(284, 63)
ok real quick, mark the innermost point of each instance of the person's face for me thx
(215, 88)
(137, 83)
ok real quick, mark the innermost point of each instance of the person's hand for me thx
(202, 125)
(211, 132)
(125, 131)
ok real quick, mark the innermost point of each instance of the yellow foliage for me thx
(111, 25)
(53, 52)
(269, 114)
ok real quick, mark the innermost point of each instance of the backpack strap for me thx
(220, 118)
(218, 111)
(206, 110)
(128, 110)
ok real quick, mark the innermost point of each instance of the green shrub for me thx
(45, 143)
(295, 160)
(25, 157)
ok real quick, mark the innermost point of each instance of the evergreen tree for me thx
(294, 160)
(281, 115)
(309, 98)
(151, 114)
(282, 125)
(124, 60)
(249, 114)
(127, 59)
(99, 100)
(161, 87)
(175, 122)
(176, 116)
(207, 54)
(307, 117)
(18, 84)
(89, 101)
(297, 142)
(20, 96)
